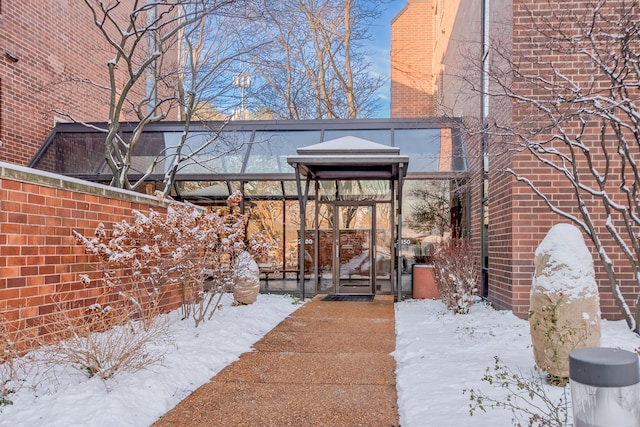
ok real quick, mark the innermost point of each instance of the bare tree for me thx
(312, 64)
(574, 97)
(209, 51)
(166, 56)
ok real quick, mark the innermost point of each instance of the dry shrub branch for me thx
(456, 274)
(13, 367)
(157, 256)
(105, 341)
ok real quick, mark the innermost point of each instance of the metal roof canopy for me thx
(349, 158)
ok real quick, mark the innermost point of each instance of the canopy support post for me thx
(302, 201)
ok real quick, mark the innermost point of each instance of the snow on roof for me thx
(348, 145)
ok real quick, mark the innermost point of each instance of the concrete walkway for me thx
(327, 364)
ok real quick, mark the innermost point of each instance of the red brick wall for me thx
(530, 217)
(412, 38)
(53, 42)
(56, 45)
(518, 219)
(40, 260)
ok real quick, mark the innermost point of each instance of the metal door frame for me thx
(337, 287)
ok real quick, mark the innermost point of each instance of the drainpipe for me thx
(484, 184)
(152, 46)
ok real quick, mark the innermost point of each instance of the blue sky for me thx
(380, 49)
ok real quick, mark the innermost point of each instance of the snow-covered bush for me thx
(456, 274)
(157, 256)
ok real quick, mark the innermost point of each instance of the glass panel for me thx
(149, 147)
(327, 190)
(269, 150)
(354, 248)
(75, 153)
(423, 148)
(291, 230)
(203, 189)
(350, 190)
(427, 212)
(267, 217)
(223, 154)
(364, 190)
(263, 188)
(83, 154)
(458, 151)
(326, 244)
(452, 151)
(383, 247)
(375, 135)
(291, 189)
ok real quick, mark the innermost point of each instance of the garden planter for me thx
(247, 279)
(424, 282)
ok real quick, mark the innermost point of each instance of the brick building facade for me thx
(412, 82)
(53, 68)
(47, 48)
(517, 219)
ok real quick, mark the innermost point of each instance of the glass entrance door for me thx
(354, 248)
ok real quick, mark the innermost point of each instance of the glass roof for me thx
(252, 150)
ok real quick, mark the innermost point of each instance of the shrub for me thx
(526, 398)
(103, 342)
(157, 255)
(13, 368)
(456, 274)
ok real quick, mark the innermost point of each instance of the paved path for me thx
(327, 364)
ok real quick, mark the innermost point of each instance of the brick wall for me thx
(518, 219)
(530, 217)
(40, 261)
(54, 43)
(412, 40)
(57, 48)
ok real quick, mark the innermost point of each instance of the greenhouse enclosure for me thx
(361, 182)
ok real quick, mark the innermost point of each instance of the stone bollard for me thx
(564, 311)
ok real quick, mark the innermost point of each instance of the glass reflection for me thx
(209, 152)
(365, 190)
(269, 150)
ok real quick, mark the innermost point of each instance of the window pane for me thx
(422, 146)
(263, 188)
(223, 154)
(269, 150)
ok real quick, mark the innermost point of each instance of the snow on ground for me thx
(141, 398)
(438, 356)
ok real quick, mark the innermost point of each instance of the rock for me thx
(564, 311)
(247, 279)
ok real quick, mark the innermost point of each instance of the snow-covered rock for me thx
(564, 311)
(247, 279)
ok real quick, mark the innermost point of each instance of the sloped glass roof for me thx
(245, 151)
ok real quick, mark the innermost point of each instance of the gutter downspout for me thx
(152, 46)
(484, 115)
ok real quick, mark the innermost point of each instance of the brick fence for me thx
(40, 261)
